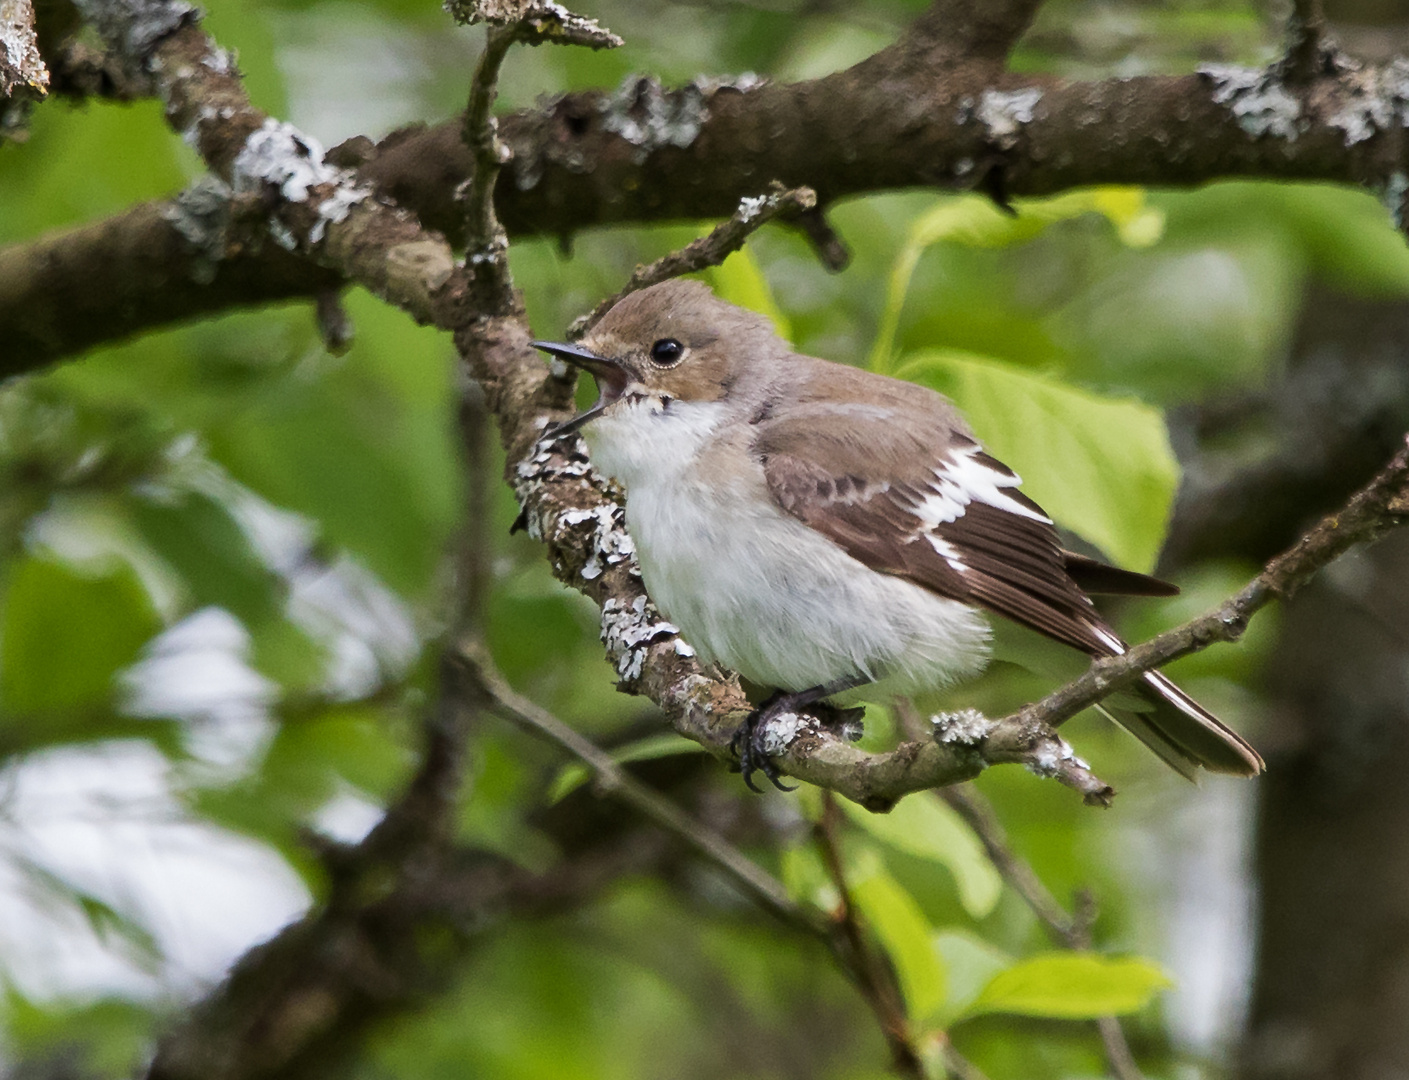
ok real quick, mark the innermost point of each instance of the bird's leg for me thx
(748, 741)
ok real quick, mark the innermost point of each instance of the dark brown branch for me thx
(72, 290)
(960, 31)
(1306, 28)
(725, 239)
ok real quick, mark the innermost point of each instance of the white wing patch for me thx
(947, 552)
(960, 480)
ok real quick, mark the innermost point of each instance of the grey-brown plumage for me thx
(727, 441)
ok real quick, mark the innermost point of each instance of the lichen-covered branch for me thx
(568, 506)
(22, 70)
(918, 114)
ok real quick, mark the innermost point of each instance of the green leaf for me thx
(740, 281)
(1101, 466)
(926, 827)
(666, 744)
(904, 931)
(974, 221)
(971, 964)
(66, 633)
(1071, 986)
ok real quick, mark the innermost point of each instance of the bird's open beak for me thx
(610, 375)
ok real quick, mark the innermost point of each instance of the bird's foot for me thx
(750, 742)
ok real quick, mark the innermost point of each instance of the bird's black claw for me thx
(753, 755)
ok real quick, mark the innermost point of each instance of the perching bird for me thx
(818, 528)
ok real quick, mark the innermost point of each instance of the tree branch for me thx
(567, 505)
(1381, 505)
(596, 158)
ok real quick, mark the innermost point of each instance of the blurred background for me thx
(224, 556)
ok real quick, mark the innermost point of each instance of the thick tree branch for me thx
(642, 153)
(153, 265)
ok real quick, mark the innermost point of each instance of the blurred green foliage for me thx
(234, 465)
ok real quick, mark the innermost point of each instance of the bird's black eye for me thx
(667, 352)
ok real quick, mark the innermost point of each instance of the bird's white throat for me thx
(647, 438)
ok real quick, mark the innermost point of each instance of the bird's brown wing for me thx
(916, 496)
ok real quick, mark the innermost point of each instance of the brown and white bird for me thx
(818, 528)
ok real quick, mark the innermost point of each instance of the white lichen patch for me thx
(1379, 101)
(650, 117)
(21, 64)
(781, 731)
(1261, 104)
(1052, 756)
(967, 726)
(750, 207)
(136, 27)
(710, 85)
(550, 462)
(1003, 113)
(610, 543)
(200, 214)
(280, 156)
(628, 630)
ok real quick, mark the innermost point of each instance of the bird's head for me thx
(675, 341)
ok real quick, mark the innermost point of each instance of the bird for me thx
(819, 528)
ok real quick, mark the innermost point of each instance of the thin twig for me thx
(486, 244)
(869, 970)
(615, 782)
(978, 814)
(725, 239)
(1071, 931)
(1117, 1047)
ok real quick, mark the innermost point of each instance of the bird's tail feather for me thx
(1182, 732)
